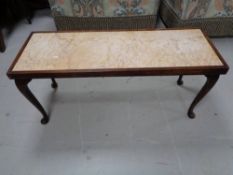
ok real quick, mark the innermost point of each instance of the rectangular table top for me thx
(65, 52)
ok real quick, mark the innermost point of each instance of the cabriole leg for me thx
(210, 82)
(22, 85)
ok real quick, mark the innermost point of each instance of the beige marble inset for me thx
(129, 49)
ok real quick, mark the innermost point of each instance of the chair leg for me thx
(2, 43)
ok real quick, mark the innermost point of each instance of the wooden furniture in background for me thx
(2, 43)
(12, 11)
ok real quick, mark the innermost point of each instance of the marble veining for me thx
(128, 49)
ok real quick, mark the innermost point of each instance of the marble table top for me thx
(110, 50)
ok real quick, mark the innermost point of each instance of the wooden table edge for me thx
(165, 71)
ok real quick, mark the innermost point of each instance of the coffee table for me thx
(116, 53)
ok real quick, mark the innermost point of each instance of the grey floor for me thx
(114, 125)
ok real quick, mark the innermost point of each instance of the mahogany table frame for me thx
(22, 78)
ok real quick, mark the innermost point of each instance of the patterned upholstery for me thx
(104, 8)
(214, 16)
(187, 9)
(104, 14)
